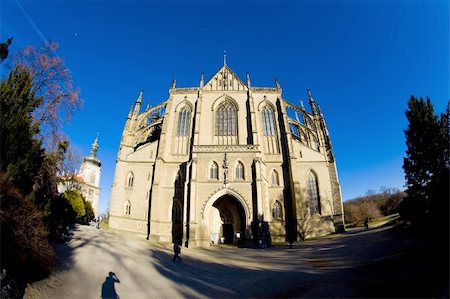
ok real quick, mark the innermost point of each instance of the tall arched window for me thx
(268, 121)
(130, 179)
(275, 178)
(239, 171)
(127, 208)
(276, 210)
(214, 171)
(313, 193)
(226, 119)
(184, 118)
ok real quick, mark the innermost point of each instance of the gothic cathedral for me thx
(226, 162)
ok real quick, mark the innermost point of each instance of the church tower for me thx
(90, 171)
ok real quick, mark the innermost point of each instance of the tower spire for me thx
(137, 107)
(312, 103)
(202, 80)
(94, 147)
(224, 57)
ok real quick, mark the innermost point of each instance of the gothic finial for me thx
(174, 83)
(302, 105)
(312, 103)
(319, 110)
(202, 80)
(277, 84)
(248, 80)
(224, 57)
(148, 106)
(131, 111)
(137, 107)
(141, 93)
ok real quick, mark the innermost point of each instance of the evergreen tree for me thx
(21, 155)
(76, 201)
(426, 163)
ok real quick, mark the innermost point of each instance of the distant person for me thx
(366, 223)
(108, 288)
(176, 252)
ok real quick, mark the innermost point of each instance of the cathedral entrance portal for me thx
(227, 221)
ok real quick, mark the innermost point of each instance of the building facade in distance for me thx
(87, 181)
(226, 162)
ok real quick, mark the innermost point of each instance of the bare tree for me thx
(53, 83)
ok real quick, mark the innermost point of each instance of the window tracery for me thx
(127, 210)
(240, 171)
(130, 180)
(313, 193)
(214, 171)
(276, 210)
(275, 178)
(226, 119)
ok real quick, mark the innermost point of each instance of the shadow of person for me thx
(108, 289)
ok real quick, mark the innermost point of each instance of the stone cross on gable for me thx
(225, 169)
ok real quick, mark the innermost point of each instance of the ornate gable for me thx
(225, 79)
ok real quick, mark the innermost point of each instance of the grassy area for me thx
(384, 219)
(374, 221)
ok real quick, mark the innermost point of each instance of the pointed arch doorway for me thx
(227, 221)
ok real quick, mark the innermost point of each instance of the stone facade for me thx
(226, 162)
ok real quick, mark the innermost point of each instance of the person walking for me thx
(176, 252)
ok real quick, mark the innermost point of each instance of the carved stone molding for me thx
(265, 89)
(225, 148)
(184, 90)
(247, 207)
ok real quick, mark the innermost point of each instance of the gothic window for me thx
(240, 171)
(130, 180)
(226, 119)
(268, 121)
(276, 210)
(275, 178)
(127, 210)
(313, 193)
(184, 117)
(214, 171)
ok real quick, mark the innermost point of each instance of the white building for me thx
(87, 181)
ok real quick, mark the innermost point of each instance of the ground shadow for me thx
(372, 264)
(195, 278)
(108, 288)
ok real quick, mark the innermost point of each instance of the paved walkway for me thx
(375, 263)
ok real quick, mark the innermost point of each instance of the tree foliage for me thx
(21, 155)
(89, 210)
(25, 251)
(426, 164)
(76, 200)
(36, 90)
(53, 84)
(373, 205)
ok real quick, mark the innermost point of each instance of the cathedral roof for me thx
(225, 79)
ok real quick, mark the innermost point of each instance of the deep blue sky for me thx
(361, 59)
